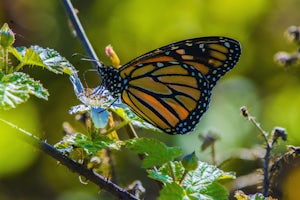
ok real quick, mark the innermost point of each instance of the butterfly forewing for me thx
(212, 56)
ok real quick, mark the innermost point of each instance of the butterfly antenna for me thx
(87, 58)
(84, 75)
(79, 54)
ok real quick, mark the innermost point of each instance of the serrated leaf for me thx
(53, 61)
(164, 173)
(159, 176)
(172, 191)
(206, 173)
(205, 179)
(31, 58)
(66, 145)
(15, 88)
(43, 57)
(157, 153)
(213, 191)
(98, 143)
(202, 183)
(17, 54)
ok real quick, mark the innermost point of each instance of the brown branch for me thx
(74, 166)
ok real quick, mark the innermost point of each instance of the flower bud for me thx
(7, 37)
(190, 162)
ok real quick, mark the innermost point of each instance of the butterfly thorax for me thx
(112, 80)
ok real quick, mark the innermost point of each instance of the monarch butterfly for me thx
(170, 87)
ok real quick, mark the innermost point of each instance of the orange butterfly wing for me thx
(170, 87)
(172, 96)
(212, 56)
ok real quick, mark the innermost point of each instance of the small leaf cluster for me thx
(16, 86)
(185, 178)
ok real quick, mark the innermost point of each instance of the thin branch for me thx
(96, 62)
(81, 33)
(72, 165)
(246, 114)
(88, 48)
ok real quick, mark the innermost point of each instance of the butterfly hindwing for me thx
(170, 95)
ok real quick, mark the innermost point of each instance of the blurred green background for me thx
(134, 27)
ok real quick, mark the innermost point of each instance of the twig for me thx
(268, 149)
(72, 165)
(213, 154)
(209, 140)
(87, 46)
(89, 49)
(81, 33)
(277, 133)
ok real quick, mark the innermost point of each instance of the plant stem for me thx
(266, 168)
(88, 48)
(213, 154)
(72, 165)
(171, 171)
(5, 60)
(266, 157)
(269, 147)
(86, 43)
(183, 176)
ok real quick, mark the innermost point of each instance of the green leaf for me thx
(190, 161)
(31, 58)
(159, 176)
(66, 145)
(164, 173)
(213, 191)
(54, 61)
(16, 88)
(206, 173)
(16, 53)
(43, 57)
(172, 191)
(203, 182)
(98, 143)
(157, 153)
